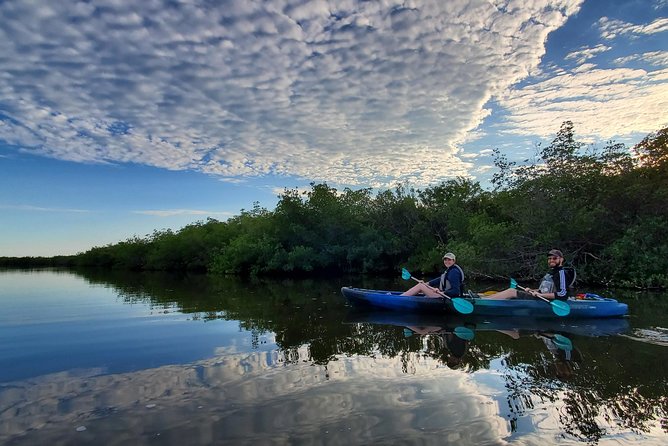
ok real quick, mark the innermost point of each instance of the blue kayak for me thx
(590, 327)
(592, 306)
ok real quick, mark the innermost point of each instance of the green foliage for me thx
(639, 258)
(653, 149)
(606, 209)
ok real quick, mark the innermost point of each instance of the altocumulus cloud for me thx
(344, 91)
(602, 102)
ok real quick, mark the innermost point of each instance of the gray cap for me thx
(555, 252)
(449, 255)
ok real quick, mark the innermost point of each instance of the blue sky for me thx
(121, 117)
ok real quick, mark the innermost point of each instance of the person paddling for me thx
(556, 284)
(449, 283)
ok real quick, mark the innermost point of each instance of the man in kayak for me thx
(556, 284)
(450, 283)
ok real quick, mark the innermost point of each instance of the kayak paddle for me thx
(464, 333)
(563, 342)
(461, 305)
(559, 307)
(560, 341)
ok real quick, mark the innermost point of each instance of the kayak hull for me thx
(589, 327)
(598, 307)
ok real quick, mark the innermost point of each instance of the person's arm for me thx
(434, 283)
(560, 285)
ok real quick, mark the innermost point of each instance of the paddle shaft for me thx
(435, 289)
(560, 308)
(534, 294)
(461, 305)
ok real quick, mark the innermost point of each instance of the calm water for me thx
(100, 358)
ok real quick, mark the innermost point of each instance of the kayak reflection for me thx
(455, 343)
(448, 338)
(522, 325)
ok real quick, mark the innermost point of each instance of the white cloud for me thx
(656, 58)
(31, 208)
(301, 190)
(612, 28)
(366, 93)
(601, 103)
(585, 54)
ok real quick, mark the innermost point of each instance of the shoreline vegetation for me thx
(606, 209)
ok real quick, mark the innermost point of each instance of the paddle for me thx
(461, 305)
(560, 341)
(559, 307)
(463, 333)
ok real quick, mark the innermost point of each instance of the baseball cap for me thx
(555, 252)
(449, 255)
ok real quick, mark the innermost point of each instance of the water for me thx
(118, 358)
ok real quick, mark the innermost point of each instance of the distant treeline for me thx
(606, 209)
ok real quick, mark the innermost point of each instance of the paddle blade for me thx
(464, 333)
(560, 307)
(408, 333)
(462, 305)
(513, 283)
(405, 274)
(563, 342)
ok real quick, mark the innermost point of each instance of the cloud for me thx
(612, 28)
(602, 103)
(359, 93)
(656, 58)
(301, 190)
(30, 208)
(585, 54)
(173, 212)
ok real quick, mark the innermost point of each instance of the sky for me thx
(119, 117)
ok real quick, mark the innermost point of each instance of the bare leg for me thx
(515, 334)
(421, 288)
(425, 330)
(509, 293)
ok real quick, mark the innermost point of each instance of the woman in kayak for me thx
(450, 283)
(557, 283)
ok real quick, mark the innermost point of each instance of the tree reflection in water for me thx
(594, 397)
(602, 386)
(591, 405)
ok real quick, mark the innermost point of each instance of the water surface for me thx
(118, 358)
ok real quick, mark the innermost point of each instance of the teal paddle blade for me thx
(560, 307)
(563, 342)
(462, 305)
(464, 333)
(513, 283)
(405, 274)
(408, 333)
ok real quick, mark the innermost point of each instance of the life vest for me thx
(547, 284)
(445, 283)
